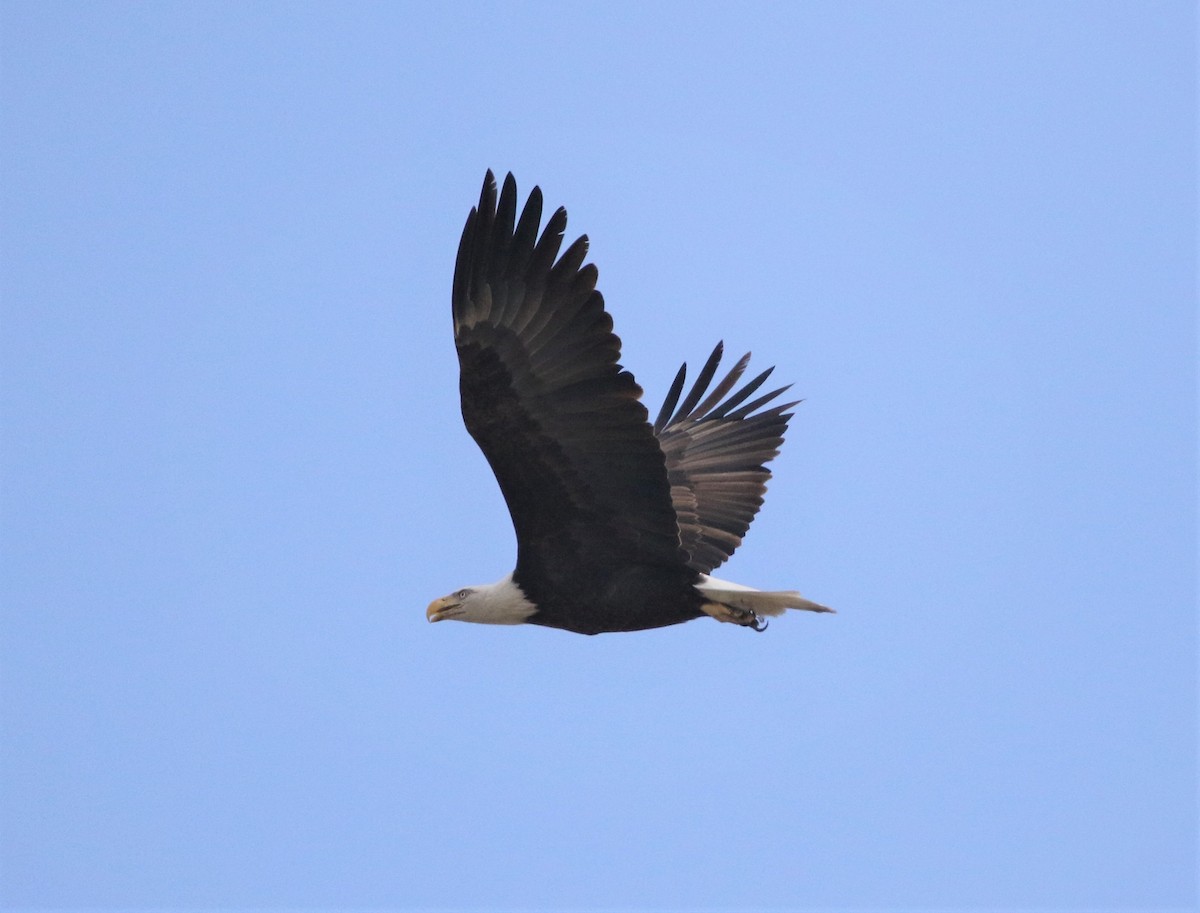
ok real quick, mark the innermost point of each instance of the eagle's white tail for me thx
(760, 602)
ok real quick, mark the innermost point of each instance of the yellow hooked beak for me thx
(442, 608)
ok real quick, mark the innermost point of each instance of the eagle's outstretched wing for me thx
(559, 421)
(717, 451)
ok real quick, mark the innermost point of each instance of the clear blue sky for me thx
(234, 472)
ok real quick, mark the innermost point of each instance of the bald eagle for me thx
(618, 521)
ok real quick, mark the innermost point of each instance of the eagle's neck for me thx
(501, 603)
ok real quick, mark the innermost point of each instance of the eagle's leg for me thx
(733, 615)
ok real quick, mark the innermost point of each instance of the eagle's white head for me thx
(499, 603)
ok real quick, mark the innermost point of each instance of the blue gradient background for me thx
(234, 471)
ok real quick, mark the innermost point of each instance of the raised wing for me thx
(717, 451)
(543, 395)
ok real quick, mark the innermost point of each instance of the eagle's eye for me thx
(462, 594)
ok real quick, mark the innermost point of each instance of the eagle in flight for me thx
(619, 520)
